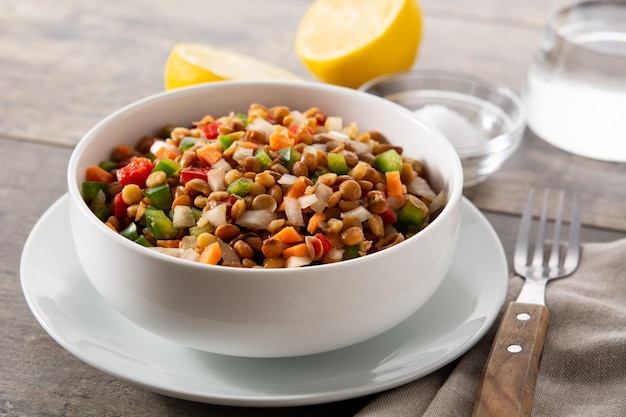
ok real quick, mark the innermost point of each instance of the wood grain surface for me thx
(66, 64)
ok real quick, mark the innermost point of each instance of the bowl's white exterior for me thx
(266, 313)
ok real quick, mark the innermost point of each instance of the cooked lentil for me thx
(267, 185)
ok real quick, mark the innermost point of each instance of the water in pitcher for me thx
(575, 94)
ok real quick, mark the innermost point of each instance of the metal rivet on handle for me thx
(523, 316)
(514, 348)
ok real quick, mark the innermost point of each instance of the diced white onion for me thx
(262, 125)
(361, 147)
(293, 210)
(334, 255)
(334, 123)
(342, 137)
(190, 255)
(215, 177)
(228, 253)
(307, 200)
(297, 261)
(217, 215)
(242, 153)
(419, 186)
(287, 179)
(183, 217)
(437, 203)
(323, 193)
(175, 252)
(298, 117)
(188, 242)
(359, 212)
(222, 164)
(99, 201)
(255, 219)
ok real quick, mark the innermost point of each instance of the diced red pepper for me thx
(210, 130)
(320, 118)
(296, 128)
(389, 216)
(135, 172)
(326, 244)
(299, 131)
(118, 206)
(191, 173)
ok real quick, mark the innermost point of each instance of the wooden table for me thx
(66, 64)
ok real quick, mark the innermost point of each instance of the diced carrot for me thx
(296, 250)
(280, 139)
(211, 254)
(394, 188)
(168, 243)
(95, 173)
(167, 152)
(298, 188)
(315, 221)
(110, 226)
(209, 154)
(288, 235)
(246, 144)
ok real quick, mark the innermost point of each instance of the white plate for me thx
(70, 310)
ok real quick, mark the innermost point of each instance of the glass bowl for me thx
(485, 122)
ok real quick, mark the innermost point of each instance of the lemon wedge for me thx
(190, 64)
(348, 42)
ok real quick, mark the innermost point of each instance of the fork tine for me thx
(520, 256)
(573, 246)
(555, 252)
(541, 231)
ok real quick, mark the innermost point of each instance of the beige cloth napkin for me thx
(583, 367)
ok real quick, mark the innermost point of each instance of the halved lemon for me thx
(190, 64)
(348, 42)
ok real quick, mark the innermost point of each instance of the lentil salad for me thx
(272, 187)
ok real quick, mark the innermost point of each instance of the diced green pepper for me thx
(263, 157)
(389, 160)
(289, 156)
(108, 165)
(160, 196)
(187, 142)
(103, 213)
(159, 224)
(198, 230)
(168, 166)
(197, 213)
(240, 187)
(225, 141)
(413, 212)
(143, 241)
(337, 163)
(90, 189)
(350, 252)
(130, 232)
(243, 118)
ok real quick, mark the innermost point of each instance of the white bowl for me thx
(266, 312)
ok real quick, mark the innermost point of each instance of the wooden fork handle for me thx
(507, 384)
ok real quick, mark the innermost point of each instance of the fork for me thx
(507, 384)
